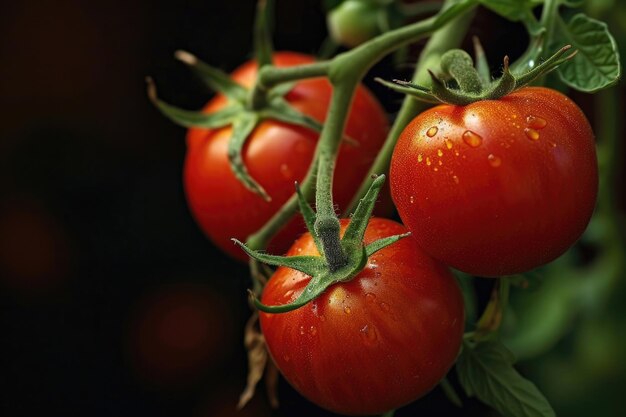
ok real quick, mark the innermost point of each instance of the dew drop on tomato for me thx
(472, 139)
(369, 334)
(531, 134)
(448, 143)
(536, 122)
(432, 131)
(494, 161)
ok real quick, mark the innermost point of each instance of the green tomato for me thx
(354, 22)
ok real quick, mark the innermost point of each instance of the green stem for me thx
(449, 37)
(270, 76)
(347, 68)
(548, 15)
(327, 223)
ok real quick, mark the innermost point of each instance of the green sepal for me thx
(310, 265)
(190, 118)
(309, 217)
(280, 90)
(314, 289)
(545, 67)
(214, 78)
(243, 126)
(410, 89)
(359, 220)
(442, 93)
(279, 109)
(374, 247)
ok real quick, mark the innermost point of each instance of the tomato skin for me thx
(276, 155)
(371, 344)
(516, 200)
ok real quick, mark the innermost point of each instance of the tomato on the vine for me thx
(354, 22)
(497, 187)
(276, 155)
(373, 343)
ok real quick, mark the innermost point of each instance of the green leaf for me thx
(243, 126)
(214, 78)
(596, 66)
(486, 371)
(514, 10)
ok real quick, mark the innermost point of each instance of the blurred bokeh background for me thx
(112, 302)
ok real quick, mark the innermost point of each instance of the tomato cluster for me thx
(492, 188)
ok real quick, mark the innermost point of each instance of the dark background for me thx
(101, 264)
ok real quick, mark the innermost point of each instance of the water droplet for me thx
(370, 298)
(286, 358)
(532, 134)
(369, 334)
(552, 144)
(472, 139)
(455, 179)
(384, 306)
(536, 122)
(312, 330)
(448, 143)
(419, 157)
(412, 199)
(439, 152)
(301, 329)
(440, 163)
(456, 153)
(432, 131)
(347, 310)
(428, 161)
(285, 171)
(494, 161)
(435, 169)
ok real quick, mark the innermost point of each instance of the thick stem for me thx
(354, 63)
(269, 76)
(327, 223)
(449, 37)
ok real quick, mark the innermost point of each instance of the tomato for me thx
(354, 22)
(373, 343)
(497, 187)
(276, 155)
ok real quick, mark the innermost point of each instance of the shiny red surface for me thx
(510, 199)
(276, 155)
(371, 344)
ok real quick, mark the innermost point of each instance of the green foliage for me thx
(486, 371)
(514, 10)
(597, 64)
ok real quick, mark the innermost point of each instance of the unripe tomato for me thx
(374, 343)
(497, 187)
(354, 22)
(276, 155)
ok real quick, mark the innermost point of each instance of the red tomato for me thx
(276, 155)
(371, 344)
(497, 187)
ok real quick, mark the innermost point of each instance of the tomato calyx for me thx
(460, 83)
(323, 273)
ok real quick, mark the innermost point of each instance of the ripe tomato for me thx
(276, 155)
(371, 344)
(497, 187)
